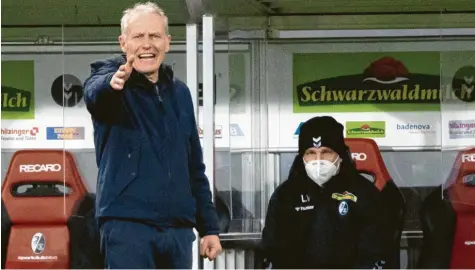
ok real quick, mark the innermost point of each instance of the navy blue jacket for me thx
(148, 150)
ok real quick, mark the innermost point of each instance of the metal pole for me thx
(208, 106)
(192, 64)
(192, 82)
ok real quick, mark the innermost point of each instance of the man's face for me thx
(146, 39)
(321, 153)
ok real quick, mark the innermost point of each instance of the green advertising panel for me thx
(370, 82)
(18, 90)
(369, 129)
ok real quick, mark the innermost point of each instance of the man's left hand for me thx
(210, 247)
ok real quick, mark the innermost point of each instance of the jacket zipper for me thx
(162, 109)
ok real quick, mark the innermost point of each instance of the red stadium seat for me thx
(365, 153)
(368, 160)
(41, 192)
(449, 219)
(462, 197)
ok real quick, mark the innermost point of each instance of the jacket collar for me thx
(165, 77)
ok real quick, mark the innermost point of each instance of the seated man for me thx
(325, 215)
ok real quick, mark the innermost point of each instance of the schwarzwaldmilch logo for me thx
(463, 83)
(361, 129)
(18, 89)
(15, 100)
(384, 81)
(67, 90)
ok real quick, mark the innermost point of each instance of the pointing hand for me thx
(122, 75)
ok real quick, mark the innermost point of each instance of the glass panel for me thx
(240, 162)
(27, 74)
(458, 121)
(245, 129)
(75, 134)
(446, 212)
(223, 180)
(34, 189)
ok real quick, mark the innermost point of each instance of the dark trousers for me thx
(134, 245)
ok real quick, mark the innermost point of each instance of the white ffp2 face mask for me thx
(320, 171)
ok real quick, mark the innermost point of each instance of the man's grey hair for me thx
(141, 8)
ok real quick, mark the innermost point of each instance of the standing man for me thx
(325, 215)
(152, 188)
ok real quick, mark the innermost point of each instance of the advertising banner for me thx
(65, 133)
(401, 131)
(18, 90)
(373, 82)
(370, 129)
(20, 134)
(43, 99)
(462, 129)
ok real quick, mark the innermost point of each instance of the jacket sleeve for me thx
(269, 244)
(98, 93)
(375, 232)
(206, 217)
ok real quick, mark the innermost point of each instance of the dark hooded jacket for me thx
(341, 225)
(148, 150)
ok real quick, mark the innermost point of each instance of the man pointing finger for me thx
(152, 189)
(122, 75)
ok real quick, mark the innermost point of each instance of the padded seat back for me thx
(368, 159)
(462, 197)
(41, 191)
(448, 218)
(365, 153)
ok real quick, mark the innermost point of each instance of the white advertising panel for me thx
(42, 96)
(401, 94)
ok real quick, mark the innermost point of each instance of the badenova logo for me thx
(371, 129)
(18, 85)
(461, 129)
(415, 128)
